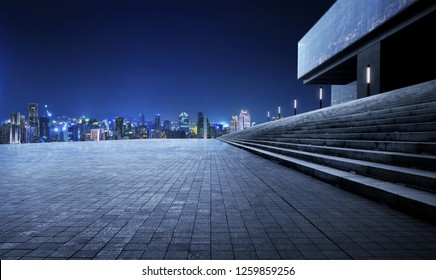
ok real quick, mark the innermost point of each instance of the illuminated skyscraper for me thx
(33, 122)
(157, 122)
(142, 119)
(23, 128)
(167, 125)
(234, 124)
(202, 125)
(15, 129)
(5, 132)
(119, 128)
(44, 129)
(95, 134)
(73, 133)
(142, 132)
(184, 122)
(244, 120)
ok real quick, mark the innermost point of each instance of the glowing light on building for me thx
(368, 74)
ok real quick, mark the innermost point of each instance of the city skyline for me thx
(47, 127)
(46, 112)
(109, 59)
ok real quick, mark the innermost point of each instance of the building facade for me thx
(234, 124)
(244, 120)
(44, 129)
(157, 122)
(363, 48)
(184, 122)
(119, 128)
(95, 134)
(15, 129)
(203, 126)
(33, 123)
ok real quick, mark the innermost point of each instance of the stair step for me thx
(417, 178)
(427, 162)
(362, 128)
(416, 202)
(365, 118)
(429, 136)
(406, 147)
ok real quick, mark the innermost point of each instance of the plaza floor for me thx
(186, 199)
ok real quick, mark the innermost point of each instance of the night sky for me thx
(107, 59)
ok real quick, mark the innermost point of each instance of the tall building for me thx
(142, 119)
(234, 124)
(157, 122)
(167, 125)
(44, 129)
(129, 131)
(142, 132)
(95, 134)
(119, 128)
(73, 133)
(244, 120)
(203, 126)
(184, 122)
(15, 129)
(5, 132)
(380, 46)
(33, 122)
(23, 128)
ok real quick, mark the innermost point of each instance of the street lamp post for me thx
(279, 113)
(268, 116)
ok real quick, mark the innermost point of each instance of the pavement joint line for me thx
(298, 211)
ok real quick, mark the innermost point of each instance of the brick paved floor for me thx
(186, 199)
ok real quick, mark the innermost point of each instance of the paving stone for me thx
(199, 255)
(187, 199)
(86, 254)
(176, 255)
(107, 254)
(130, 255)
(245, 255)
(222, 255)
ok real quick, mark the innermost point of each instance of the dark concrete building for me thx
(363, 48)
(202, 125)
(44, 129)
(119, 128)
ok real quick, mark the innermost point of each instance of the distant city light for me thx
(225, 124)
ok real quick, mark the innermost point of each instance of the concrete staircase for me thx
(382, 147)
